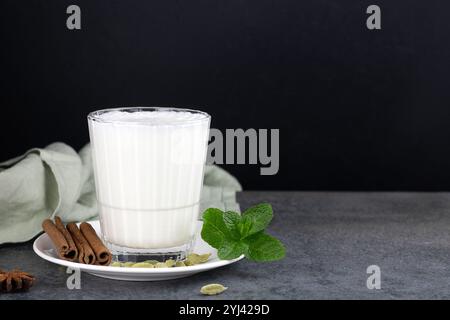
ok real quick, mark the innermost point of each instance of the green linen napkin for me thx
(56, 180)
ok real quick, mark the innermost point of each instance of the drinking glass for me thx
(148, 167)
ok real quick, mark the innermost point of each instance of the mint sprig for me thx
(233, 234)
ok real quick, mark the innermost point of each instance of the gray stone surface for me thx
(331, 239)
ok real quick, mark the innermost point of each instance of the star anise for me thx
(16, 280)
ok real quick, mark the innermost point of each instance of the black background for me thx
(357, 109)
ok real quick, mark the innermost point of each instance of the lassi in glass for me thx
(148, 166)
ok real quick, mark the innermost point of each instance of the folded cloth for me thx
(56, 180)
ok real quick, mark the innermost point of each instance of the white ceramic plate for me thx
(45, 249)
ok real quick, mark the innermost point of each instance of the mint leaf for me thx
(214, 230)
(233, 235)
(256, 219)
(232, 249)
(262, 247)
(232, 221)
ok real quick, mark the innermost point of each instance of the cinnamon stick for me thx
(72, 253)
(85, 253)
(63, 247)
(102, 254)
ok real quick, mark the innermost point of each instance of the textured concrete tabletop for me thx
(331, 239)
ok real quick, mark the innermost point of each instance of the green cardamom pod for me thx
(212, 289)
(142, 265)
(160, 265)
(115, 264)
(128, 264)
(180, 264)
(194, 258)
(170, 263)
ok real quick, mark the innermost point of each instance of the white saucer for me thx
(45, 249)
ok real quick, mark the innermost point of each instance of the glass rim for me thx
(96, 115)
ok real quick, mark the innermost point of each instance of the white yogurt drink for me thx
(148, 166)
